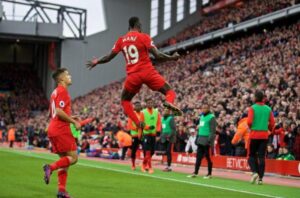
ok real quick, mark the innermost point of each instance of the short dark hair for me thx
(57, 73)
(133, 22)
(259, 96)
(137, 102)
(149, 99)
(205, 103)
(244, 115)
(115, 130)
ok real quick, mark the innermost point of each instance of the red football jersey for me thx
(135, 47)
(60, 98)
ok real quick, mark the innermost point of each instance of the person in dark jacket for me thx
(205, 139)
(271, 153)
(168, 136)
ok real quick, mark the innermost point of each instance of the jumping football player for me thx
(135, 47)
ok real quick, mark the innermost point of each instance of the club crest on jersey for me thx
(54, 93)
(62, 104)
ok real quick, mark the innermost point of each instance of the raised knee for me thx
(74, 160)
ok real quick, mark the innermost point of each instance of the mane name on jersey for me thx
(129, 38)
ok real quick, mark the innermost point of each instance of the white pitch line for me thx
(147, 175)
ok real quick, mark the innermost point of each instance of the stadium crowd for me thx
(21, 94)
(21, 99)
(226, 75)
(231, 15)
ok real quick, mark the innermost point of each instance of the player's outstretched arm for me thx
(63, 116)
(162, 56)
(92, 63)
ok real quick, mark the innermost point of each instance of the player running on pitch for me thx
(59, 132)
(135, 47)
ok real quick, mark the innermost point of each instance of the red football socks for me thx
(128, 109)
(63, 162)
(146, 159)
(170, 96)
(133, 162)
(62, 180)
(148, 155)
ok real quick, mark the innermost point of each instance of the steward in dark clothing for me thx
(205, 139)
(168, 136)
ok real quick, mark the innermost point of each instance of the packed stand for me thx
(231, 15)
(21, 100)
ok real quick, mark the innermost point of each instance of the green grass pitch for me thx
(21, 176)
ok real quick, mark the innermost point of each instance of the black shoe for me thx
(63, 195)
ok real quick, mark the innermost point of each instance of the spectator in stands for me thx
(271, 153)
(296, 147)
(286, 155)
(280, 154)
(30, 135)
(280, 132)
(43, 140)
(2, 122)
(107, 140)
(182, 139)
(225, 137)
(191, 146)
(1, 135)
(85, 146)
(289, 137)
